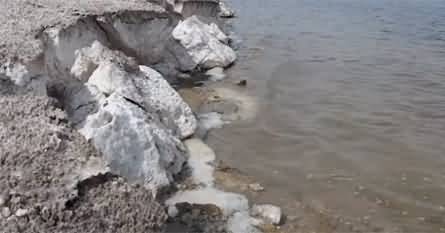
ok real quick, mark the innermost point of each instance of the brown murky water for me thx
(351, 110)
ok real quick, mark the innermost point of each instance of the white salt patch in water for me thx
(216, 74)
(234, 206)
(201, 157)
(248, 106)
(229, 203)
(270, 213)
(241, 222)
(208, 121)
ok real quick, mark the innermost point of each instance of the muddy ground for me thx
(53, 180)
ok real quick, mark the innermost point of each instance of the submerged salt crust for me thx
(234, 206)
(205, 44)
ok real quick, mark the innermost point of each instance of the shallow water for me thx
(351, 115)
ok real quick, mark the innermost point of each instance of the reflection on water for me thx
(352, 107)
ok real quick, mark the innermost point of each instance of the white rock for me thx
(174, 112)
(21, 212)
(150, 90)
(201, 157)
(137, 145)
(89, 58)
(147, 87)
(225, 11)
(172, 211)
(216, 74)
(215, 31)
(131, 114)
(203, 43)
(208, 121)
(83, 66)
(270, 213)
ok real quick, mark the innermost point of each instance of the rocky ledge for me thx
(95, 138)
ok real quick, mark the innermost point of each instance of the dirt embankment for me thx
(53, 180)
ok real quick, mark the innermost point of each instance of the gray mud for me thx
(53, 180)
(25, 20)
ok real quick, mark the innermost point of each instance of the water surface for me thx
(352, 108)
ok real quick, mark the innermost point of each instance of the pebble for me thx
(184, 75)
(270, 213)
(172, 211)
(21, 212)
(242, 83)
(6, 212)
(256, 187)
(379, 202)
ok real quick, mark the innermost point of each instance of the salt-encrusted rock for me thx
(131, 114)
(115, 73)
(87, 59)
(225, 11)
(149, 90)
(136, 144)
(270, 213)
(204, 44)
(21, 212)
(172, 211)
(173, 111)
(208, 121)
